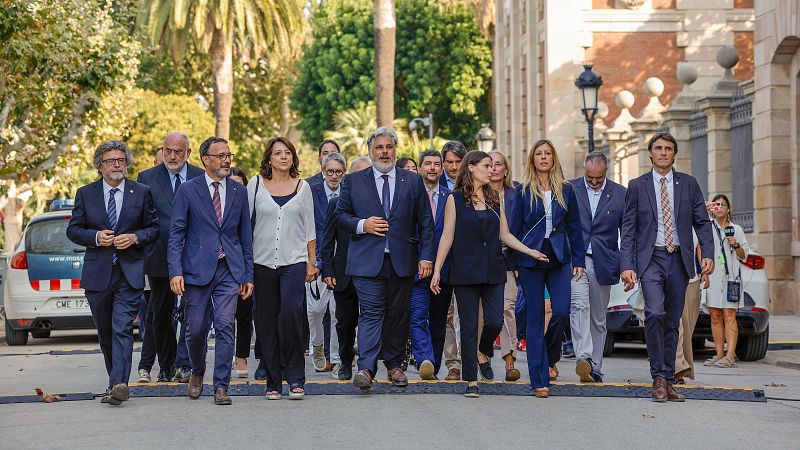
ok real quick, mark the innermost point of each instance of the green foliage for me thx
(352, 128)
(443, 66)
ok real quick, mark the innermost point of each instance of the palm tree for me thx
(385, 43)
(352, 128)
(257, 27)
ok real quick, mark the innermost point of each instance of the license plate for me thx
(72, 303)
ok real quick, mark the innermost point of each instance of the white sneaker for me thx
(240, 368)
(144, 376)
(318, 358)
(335, 371)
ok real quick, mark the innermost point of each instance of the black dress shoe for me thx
(163, 376)
(471, 392)
(345, 372)
(487, 373)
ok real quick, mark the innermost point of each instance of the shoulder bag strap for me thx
(253, 214)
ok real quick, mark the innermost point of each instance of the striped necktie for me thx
(111, 210)
(218, 210)
(669, 240)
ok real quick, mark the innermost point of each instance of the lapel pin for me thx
(131, 191)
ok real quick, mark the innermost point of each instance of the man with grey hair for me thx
(601, 202)
(388, 213)
(318, 298)
(113, 270)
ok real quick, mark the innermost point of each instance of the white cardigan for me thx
(281, 233)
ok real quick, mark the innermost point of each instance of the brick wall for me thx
(743, 42)
(625, 60)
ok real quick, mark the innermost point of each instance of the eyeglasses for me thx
(115, 161)
(331, 172)
(222, 156)
(173, 151)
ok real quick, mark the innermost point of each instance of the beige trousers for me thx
(684, 357)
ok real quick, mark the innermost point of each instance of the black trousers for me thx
(148, 357)
(468, 296)
(162, 300)
(346, 322)
(244, 326)
(282, 322)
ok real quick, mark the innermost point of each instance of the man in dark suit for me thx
(325, 147)
(210, 258)
(164, 180)
(319, 300)
(601, 202)
(333, 253)
(388, 213)
(113, 271)
(452, 154)
(661, 209)
(429, 310)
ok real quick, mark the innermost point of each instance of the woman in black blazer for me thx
(545, 217)
(474, 225)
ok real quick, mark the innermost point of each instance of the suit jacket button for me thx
(484, 244)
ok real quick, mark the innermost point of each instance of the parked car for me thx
(753, 318)
(41, 289)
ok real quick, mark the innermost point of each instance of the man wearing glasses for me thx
(164, 180)
(210, 261)
(113, 267)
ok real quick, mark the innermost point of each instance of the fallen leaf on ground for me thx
(774, 384)
(648, 416)
(47, 398)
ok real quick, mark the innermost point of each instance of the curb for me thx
(780, 359)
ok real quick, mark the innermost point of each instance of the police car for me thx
(41, 289)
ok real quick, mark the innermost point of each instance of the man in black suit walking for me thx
(163, 180)
(114, 219)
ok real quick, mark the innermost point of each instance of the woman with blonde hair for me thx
(545, 217)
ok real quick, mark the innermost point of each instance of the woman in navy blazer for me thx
(545, 217)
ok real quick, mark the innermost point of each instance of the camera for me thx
(729, 231)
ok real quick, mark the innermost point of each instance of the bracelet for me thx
(736, 246)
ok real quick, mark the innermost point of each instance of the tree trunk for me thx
(222, 71)
(385, 34)
(12, 218)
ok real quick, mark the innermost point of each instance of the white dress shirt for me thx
(379, 185)
(451, 183)
(594, 200)
(281, 233)
(660, 236)
(329, 194)
(117, 198)
(548, 213)
(209, 182)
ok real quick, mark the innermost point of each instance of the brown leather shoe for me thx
(453, 375)
(659, 392)
(221, 397)
(397, 377)
(673, 395)
(195, 387)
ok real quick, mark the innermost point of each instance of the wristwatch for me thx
(736, 246)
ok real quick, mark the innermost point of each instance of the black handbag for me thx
(733, 290)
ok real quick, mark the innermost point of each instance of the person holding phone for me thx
(731, 248)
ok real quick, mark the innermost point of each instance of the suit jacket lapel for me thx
(102, 201)
(677, 190)
(441, 202)
(399, 180)
(165, 179)
(371, 186)
(230, 193)
(650, 189)
(605, 197)
(583, 197)
(205, 197)
(127, 198)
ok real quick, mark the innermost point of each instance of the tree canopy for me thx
(443, 66)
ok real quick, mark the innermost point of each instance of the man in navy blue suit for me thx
(210, 258)
(333, 253)
(163, 180)
(113, 270)
(429, 310)
(319, 300)
(325, 147)
(388, 213)
(661, 209)
(601, 202)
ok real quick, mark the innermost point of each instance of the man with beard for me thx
(388, 213)
(113, 271)
(210, 258)
(164, 180)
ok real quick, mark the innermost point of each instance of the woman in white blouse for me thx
(730, 247)
(284, 249)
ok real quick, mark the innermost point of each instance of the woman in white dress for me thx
(730, 245)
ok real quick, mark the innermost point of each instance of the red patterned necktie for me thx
(667, 215)
(218, 209)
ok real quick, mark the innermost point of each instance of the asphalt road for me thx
(384, 421)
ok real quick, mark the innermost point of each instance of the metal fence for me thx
(742, 159)
(698, 132)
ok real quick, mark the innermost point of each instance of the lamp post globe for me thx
(485, 138)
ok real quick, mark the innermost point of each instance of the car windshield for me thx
(50, 237)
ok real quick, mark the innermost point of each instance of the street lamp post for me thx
(485, 138)
(425, 121)
(589, 84)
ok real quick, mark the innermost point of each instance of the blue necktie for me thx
(112, 216)
(385, 195)
(177, 183)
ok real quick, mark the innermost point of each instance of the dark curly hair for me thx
(266, 167)
(464, 179)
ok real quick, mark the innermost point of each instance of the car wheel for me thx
(608, 347)
(16, 337)
(40, 334)
(753, 348)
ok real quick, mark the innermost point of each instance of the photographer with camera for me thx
(724, 296)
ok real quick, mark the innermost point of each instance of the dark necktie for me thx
(177, 183)
(111, 210)
(385, 200)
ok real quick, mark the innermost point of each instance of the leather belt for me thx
(661, 248)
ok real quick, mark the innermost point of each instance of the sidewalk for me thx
(784, 329)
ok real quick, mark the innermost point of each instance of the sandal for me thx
(297, 393)
(541, 392)
(725, 363)
(553, 373)
(273, 394)
(711, 361)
